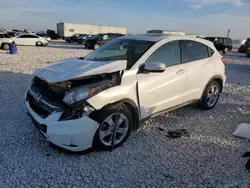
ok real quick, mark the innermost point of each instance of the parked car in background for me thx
(237, 43)
(98, 100)
(44, 35)
(248, 40)
(248, 52)
(80, 38)
(5, 40)
(83, 39)
(243, 48)
(73, 38)
(221, 43)
(18, 31)
(30, 40)
(100, 39)
(12, 33)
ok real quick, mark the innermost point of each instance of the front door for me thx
(161, 91)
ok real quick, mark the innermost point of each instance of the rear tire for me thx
(109, 114)
(210, 96)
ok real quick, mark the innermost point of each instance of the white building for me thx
(69, 29)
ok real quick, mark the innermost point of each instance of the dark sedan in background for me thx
(100, 39)
(81, 39)
(74, 37)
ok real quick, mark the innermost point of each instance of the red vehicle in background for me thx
(244, 47)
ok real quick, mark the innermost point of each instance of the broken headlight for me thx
(82, 93)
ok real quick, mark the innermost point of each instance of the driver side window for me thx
(169, 54)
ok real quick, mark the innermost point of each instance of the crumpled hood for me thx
(75, 68)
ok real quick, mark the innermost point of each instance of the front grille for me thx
(46, 90)
(40, 109)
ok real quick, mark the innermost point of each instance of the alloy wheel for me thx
(107, 128)
(212, 95)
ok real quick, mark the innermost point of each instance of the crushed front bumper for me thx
(72, 135)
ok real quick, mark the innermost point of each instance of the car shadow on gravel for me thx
(64, 45)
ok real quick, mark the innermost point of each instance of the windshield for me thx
(121, 49)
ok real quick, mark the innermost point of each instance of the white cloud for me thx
(196, 4)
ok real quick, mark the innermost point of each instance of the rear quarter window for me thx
(192, 51)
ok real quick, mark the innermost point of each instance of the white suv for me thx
(98, 100)
(5, 40)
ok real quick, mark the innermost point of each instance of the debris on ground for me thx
(177, 133)
(243, 131)
(161, 129)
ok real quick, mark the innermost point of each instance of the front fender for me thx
(126, 90)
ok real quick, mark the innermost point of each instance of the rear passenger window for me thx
(192, 51)
(169, 54)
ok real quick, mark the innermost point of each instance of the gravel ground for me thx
(209, 157)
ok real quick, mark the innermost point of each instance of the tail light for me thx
(223, 59)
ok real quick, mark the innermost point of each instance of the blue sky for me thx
(208, 17)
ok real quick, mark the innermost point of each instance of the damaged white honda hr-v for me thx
(98, 100)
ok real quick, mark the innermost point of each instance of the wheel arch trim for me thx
(132, 107)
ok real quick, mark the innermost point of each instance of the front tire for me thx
(5, 46)
(210, 96)
(39, 43)
(96, 46)
(106, 118)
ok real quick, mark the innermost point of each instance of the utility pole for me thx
(228, 32)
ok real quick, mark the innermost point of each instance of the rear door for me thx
(162, 90)
(196, 58)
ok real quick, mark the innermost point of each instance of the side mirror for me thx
(154, 67)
